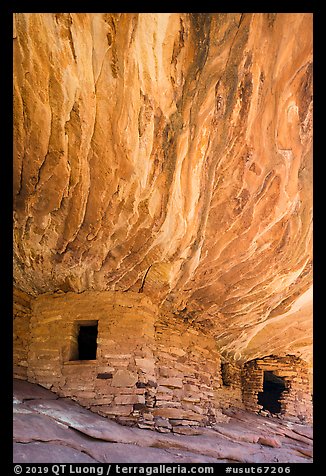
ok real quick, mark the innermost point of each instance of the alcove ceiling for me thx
(170, 154)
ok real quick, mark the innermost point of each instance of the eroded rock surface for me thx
(170, 154)
(50, 429)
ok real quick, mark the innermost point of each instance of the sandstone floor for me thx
(49, 429)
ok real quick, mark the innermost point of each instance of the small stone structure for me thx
(148, 368)
(295, 399)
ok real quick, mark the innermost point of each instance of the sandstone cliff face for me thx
(170, 154)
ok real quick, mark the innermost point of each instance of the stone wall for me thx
(188, 375)
(230, 393)
(151, 369)
(22, 315)
(115, 384)
(296, 399)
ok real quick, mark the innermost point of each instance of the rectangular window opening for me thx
(86, 341)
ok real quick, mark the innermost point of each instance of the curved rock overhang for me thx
(170, 154)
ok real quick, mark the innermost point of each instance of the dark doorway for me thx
(87, 342)
(273, 388)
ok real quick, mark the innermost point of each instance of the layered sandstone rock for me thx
(170, 155)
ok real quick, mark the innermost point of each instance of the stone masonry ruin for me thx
(163, 214)
(117, 355)
(279, 385)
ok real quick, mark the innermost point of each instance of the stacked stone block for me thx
(188, 377)
(151, 369)
(296, 402)
(230, 393)
(21, 332)
(252, 384)
(117, 382)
